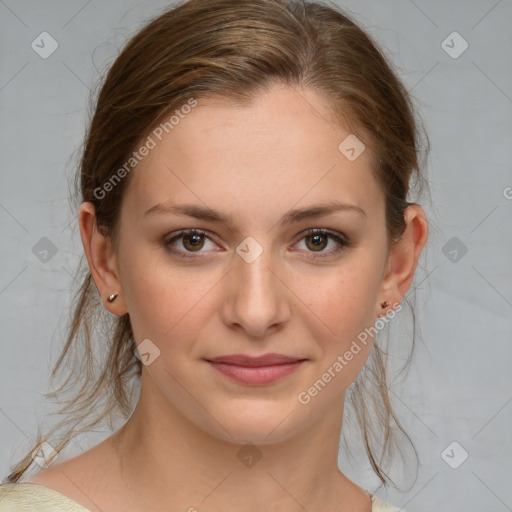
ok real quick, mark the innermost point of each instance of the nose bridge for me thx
(255, 280)
(253, 266)
(257, 300)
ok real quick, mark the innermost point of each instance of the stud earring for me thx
(112, 298)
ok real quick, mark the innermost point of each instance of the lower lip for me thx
(256, 375)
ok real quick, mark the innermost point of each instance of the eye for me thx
(192, 240)
(316, 240)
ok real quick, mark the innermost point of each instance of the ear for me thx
(403, 258)
(101, 258)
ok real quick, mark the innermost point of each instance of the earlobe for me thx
(404, 255)
(102, 260)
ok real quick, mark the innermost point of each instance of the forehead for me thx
(280, 151)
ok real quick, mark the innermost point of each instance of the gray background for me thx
(459, 387)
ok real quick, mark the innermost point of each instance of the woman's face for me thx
(260, 283)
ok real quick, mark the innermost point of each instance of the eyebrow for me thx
(293, 216)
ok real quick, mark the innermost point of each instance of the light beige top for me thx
(28, 497)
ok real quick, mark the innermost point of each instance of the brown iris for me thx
(317, 244)
(196, 241)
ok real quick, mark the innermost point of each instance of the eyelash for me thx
(342, 242)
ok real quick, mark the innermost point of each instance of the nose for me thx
(256, 296)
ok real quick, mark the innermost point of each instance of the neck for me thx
(185, 468)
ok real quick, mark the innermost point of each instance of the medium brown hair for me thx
(233, 49)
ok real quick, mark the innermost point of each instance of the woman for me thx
(244, 215)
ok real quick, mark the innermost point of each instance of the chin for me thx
(256, 422)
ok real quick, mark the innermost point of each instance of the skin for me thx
(179, 448)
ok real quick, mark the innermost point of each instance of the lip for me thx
(260, 370)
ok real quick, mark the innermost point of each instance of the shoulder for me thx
(381, 506)
(75, 484)
(26, 497)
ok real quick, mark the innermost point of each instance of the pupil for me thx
(317, 240)
(193, 240)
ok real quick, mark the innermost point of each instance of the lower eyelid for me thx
(342, 243)
(179, 237)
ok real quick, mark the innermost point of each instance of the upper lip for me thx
(264, 360)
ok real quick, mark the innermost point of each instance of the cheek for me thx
(162, 299)
(340, 313)
(342, 299)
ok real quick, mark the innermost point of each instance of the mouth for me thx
(261, 370)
